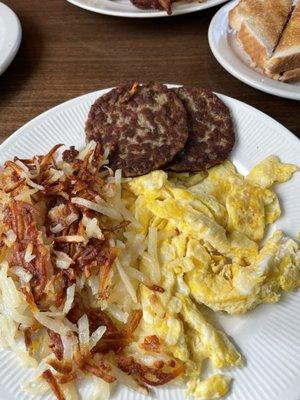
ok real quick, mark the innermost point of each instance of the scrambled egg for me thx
(204, 235)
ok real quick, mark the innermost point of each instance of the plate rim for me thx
(13, 30)
(146, 14)
(240, 75)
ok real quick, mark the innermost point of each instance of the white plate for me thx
(10, 36)
(269, 337)
(124, 8)
(227, 51)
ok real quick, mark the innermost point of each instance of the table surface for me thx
(67, 52)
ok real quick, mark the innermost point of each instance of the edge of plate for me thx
(143, 14)
(237, 74)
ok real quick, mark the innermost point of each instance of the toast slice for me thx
(287, 54)
(259, 25)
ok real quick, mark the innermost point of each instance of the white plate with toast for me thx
(124, 8)
(270, 335)
(10, 36)
(233, 58)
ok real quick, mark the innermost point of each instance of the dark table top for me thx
(67, 52)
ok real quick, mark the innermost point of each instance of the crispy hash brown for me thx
(62, 226)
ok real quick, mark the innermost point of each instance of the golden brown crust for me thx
(259, 24)
(291, 35)
(287, 54)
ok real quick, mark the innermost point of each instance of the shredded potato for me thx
(69, 299)
(96, 336)
(109, 212)
(84, 334)
(63, 261)
(126, 281)
(68, 287)
(152, 251)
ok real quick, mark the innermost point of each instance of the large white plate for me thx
(10, 36)
(269, 337)
(124, 8)
(227, 51)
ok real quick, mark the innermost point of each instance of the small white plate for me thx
(230, 55)
(10, 36)
(124, 8)
(269, 336)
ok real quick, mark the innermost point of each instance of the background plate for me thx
(124, 8)
(268, 337)
(229, 54)
(10, 36)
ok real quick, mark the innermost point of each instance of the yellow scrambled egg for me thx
(204, 234)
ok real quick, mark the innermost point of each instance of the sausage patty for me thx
(211, 132)
(144, 125)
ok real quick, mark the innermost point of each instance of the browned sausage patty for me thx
(145, 125)
(211, 132)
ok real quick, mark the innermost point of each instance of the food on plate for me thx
(100, 275)
(144, 125)
(259, 24)
(211, 133)
(62, 282)
(286, 58)
(165, 5)
(74, 298)
(268, 30)
(221, 218)
(258, 273)
(150, 126)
